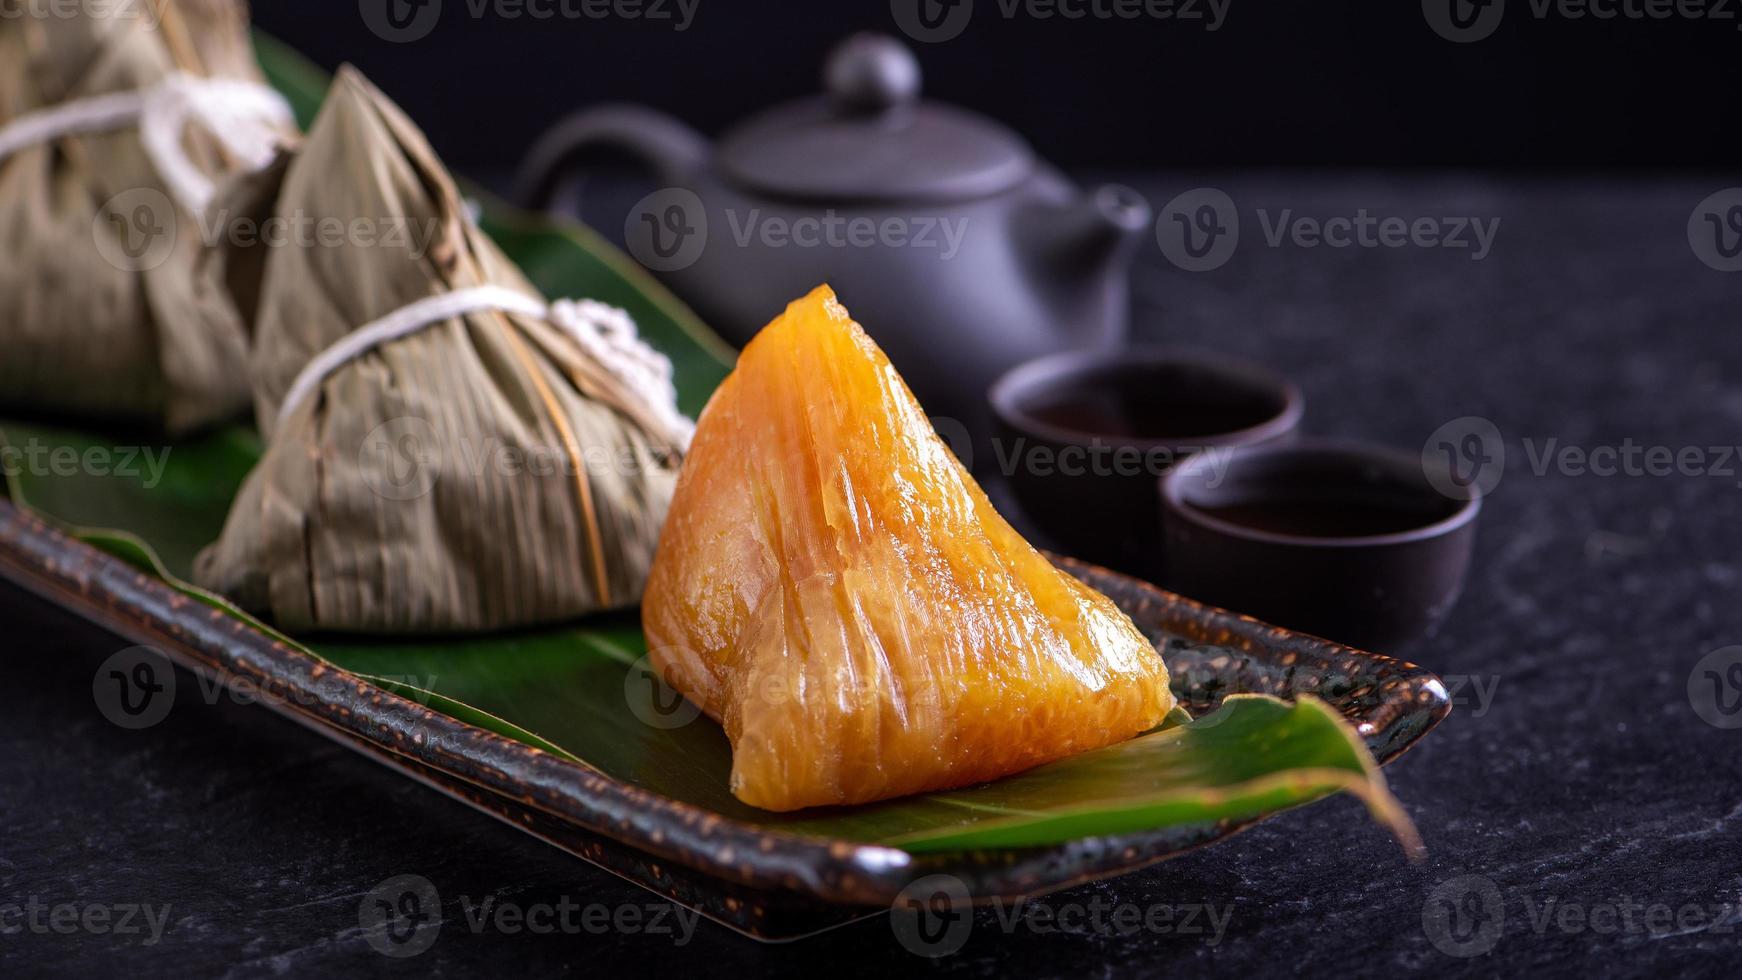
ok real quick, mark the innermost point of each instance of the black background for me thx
(1279, 83)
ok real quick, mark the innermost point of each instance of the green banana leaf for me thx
(584, 692)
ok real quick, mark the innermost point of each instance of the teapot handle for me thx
(550, 179)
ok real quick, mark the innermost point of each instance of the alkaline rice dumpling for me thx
(837, 591)
(444, 452)
(102, 314)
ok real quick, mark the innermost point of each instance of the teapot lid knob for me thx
(871, 138)
(870, 72)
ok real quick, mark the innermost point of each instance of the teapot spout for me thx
(1095, 234)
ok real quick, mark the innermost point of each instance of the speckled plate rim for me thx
(1391, 703)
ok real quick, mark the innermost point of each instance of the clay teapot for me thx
(960, 251)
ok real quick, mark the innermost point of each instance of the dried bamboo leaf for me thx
(479, 474)
(102, 313)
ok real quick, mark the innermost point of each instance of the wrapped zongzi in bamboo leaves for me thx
(445, 450)
(116, 120)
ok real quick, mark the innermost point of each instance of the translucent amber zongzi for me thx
(837, 591)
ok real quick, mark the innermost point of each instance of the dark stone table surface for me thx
(1583, 814)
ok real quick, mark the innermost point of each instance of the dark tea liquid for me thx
(1150, 404)
(1327, 517)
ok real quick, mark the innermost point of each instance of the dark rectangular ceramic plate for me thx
(766, 884)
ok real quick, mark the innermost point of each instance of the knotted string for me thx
(246, 117)
(605, 333)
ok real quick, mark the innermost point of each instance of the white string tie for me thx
(605, 333)
(246, 117)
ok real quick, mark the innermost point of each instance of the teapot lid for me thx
(872, 138)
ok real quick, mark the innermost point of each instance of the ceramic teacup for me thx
(1348, 541)
(1083, 436)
